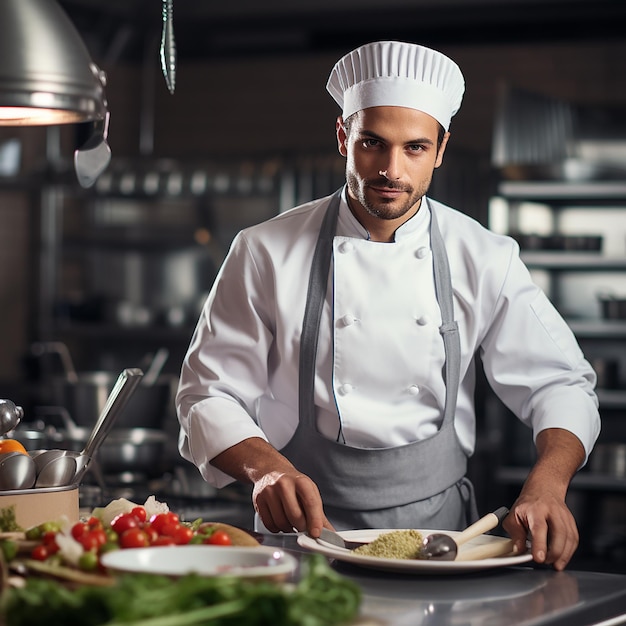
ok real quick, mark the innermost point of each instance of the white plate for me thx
(202, 560)
(415, 566)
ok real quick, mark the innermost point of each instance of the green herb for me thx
(8, 521)
(321, 598)
(9, 549)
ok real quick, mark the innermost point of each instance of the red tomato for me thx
(218, 538)
(93, 539)
(160, 520)
(49, 537)
(40, 553)
(78, 529)
(183, 535)
(124, 522)
(150, 532)
(139, 512)
(169, 529)
(134, 538)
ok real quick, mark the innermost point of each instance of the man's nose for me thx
(392, 168)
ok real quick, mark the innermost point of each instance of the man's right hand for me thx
(284, 498)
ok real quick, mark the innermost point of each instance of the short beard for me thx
(382, 210)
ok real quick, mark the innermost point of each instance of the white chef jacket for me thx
(378, 379)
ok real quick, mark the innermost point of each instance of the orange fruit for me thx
(11, 445)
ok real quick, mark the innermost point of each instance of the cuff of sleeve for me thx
(575, 412)
(206, 436)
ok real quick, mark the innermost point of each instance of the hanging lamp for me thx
(46, 74)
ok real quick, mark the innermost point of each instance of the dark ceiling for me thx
(121, 30)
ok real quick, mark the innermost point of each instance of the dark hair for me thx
(442, 131)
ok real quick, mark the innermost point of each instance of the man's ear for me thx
(442, 149)
(342, 137)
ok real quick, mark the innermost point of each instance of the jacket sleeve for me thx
(225, 368)
(533, 361)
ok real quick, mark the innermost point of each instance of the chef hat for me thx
(393, 73)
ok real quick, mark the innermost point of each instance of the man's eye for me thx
(416, 147)
(370, 143)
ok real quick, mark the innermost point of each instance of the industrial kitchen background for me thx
(96, 280)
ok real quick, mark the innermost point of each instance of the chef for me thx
(333, 364)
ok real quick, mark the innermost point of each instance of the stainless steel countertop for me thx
(515, 596)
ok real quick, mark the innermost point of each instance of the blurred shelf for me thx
(598, 329)
(106, 332)
(612, 398)
(605, 191)
(582, 480)
(573, 261)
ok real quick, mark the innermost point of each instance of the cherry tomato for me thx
(49, 541)
(134, 538)
(49, 537)
(160, 520)
(139, 512)
(169, 529)
(93, 539)
(124, 522)
(40, 553)
(183, 535)
(78, 530)
(218, 538)
(151, 532)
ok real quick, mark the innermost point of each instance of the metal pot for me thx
(85, 398)
(135, 450)
(613, 307)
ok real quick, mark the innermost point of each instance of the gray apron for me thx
(417, 485)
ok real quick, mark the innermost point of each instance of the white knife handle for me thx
(488, 551)
(483, 525)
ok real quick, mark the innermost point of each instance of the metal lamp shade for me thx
(46, 74)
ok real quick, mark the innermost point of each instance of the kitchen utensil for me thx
(487, 551)
(60, 349)
(58, 472)
(613, 306)
(156, 365)
(86, 397)
(436, 545)
(443, 547)
(94, 156)
(10, 416)
(17, 471)
(46, 461)
(126, 384)
(333, 538)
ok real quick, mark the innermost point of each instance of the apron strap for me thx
(318, 283)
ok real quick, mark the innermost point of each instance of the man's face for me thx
(391, 153)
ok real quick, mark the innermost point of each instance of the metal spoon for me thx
(92, 158)
(117, 400)
(156, 365)
(53, 466)
(443, 547)
(17, 471)
(58, 472)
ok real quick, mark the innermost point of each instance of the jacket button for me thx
(422, 320)
(420, 253)
(348, 320)
(345, 246)
(414, 390)
(345, 389)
